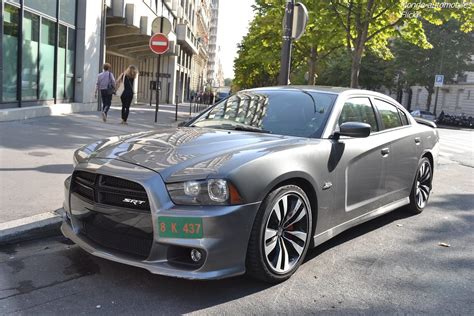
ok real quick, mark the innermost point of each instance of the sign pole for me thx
(286, 46)
(157, 105)
(436, 101)
(158, 85)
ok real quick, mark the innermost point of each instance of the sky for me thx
(234, 19)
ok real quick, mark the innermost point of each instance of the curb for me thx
(33, 227)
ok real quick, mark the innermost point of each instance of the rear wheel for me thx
(281, 235)
(421, 190)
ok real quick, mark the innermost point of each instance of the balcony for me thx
(186, 38)
(128, 29)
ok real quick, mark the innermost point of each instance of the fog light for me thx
(196, 255)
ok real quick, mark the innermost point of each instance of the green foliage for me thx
(361, 26)
(450, 55)
(227, 82)
(375, 72)
(258, 61)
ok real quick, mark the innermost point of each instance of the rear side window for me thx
(403, 117)
(389, 114)
(359, 110)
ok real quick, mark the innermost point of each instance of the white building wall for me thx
(88, 50)
(452, 99)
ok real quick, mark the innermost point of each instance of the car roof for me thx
(324, 89)
(335, 90)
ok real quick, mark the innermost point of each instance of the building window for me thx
(46, 78)
(65, 76)
(10, 53)
(29, 80)
(71, 39)
(34, 47)
(44, 6)
(60, 89)
(67, 11)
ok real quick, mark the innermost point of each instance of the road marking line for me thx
(443, 154)
(451, 149)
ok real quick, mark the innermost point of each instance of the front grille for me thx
(108, 190)
(129, 231)
(110, 234)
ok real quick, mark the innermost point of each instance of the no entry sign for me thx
(159, 43)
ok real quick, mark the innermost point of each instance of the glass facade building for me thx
(38, 52)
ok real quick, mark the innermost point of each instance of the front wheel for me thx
(280, 235)
(421, 190)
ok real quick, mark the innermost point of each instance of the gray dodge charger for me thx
(249, 184)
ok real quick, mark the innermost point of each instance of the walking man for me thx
(106, 86)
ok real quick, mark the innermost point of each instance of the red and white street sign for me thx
(159, 43)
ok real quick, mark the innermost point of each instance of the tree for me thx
(357, 25)
(373, 23)
(227, 82)
(375, 72)
(258, 61)
(450, 55)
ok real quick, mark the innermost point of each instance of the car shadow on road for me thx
(359, 230)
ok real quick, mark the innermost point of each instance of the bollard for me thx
(176, 112)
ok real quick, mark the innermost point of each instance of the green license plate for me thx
(180, 227)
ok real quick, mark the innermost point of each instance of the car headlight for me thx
(204, 192)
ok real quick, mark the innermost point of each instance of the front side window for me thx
(291, 113)
(359, 110)
(389, 114)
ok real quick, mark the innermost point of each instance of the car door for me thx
(403, 145)
(360, 171)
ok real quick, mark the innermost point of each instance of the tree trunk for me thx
(362, 28)
(312, 65)
(428, 100)
(410, 95)
(355, 68)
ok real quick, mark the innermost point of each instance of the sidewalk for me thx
(36, 154)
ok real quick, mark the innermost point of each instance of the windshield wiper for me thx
(250, 129)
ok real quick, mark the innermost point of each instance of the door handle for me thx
(385, 151)
(417, 140)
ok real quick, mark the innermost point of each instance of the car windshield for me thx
(283, 112)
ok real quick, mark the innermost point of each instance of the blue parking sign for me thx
(439, 80)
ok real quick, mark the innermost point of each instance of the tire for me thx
(421, 190)
(280, 236)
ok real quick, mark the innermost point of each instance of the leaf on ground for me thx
(443, 244)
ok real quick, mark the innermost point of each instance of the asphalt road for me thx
(457, 146)
(393, 264)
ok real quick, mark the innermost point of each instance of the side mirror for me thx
(353, 129)
(181, 124)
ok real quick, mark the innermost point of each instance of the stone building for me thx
(212, 65)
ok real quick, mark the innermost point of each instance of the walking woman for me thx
(127, 78)
(106, 86)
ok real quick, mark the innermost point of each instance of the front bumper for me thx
(226, 229)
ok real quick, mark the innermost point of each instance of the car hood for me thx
(188, 153)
